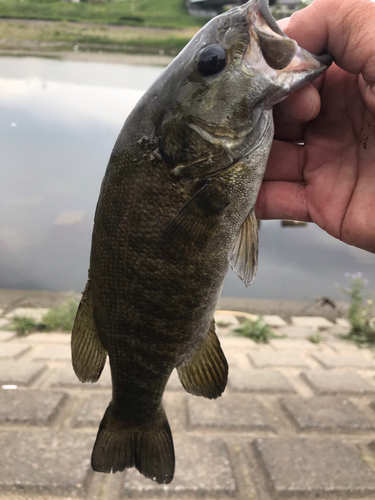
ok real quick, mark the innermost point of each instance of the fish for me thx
(175, 211)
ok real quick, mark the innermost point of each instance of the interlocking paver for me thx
(13, 351)
(273, 320)
(20, 372)
(341, 361)
(314, 467)
(55, 353)
(235, 411)
(174, 383)
(4, 322)
(267, 381)
(270, 359)
(311, 321)
(92, 410)
(226, 319)
(202, 469)
(65, 377)
(326, 413)
(47, 338)
(36, 313)
(343, 323)
(30, 407)
(323, 382)
(295, 345)
(44, 461)
(296, 332)
(5, 336)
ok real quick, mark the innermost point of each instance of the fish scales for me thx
(176, 209)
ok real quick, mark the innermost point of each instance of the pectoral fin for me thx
(244, 255)
(206, 372)
(88, 354)
(194, 222)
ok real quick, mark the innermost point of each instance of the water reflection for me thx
(58, 124)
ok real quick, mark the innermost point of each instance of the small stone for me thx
(323, 382)
(65, 377)
(266, 381)
(55, 353)
(13, 351)
(340, 361)
(274, 321)
(270, 359)
(314, 468)
(316, 322)
(45, 461)
(35, 313)
(202, 469)
(326, 413)
(92, 410)
(29, 407)
(20, 372)
(235, 411)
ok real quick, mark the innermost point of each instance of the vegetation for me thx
(360, 313)
(256, 330)
(316, 338)
(22, 325)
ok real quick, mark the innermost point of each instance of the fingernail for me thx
(300, 106)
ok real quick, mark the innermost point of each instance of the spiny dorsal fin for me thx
(194, 222)
(205, 373)
(244, 254)
(88, 354)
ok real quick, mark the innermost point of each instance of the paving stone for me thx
(234, 411)
(311, 321)
(326, 413)
(294, 345)
(323, 382)
(29, 407)
(45, 462)
(285, 359)
(202, 469)
(343, 323)
(266, 381)
(92, 410)
(296, 332)
(35, 313)
(348, 348)
(5, 336)
(48, 338)
(340, 361)
(273, 320)
(226, 319)
(9, 350)
(314, 467)
(232, 342)
(4, 322)
(65, 377)
(174, 383)
(55, 353)
(20, 372)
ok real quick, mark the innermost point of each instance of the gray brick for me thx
(235, 411)
(341, 361)
(45, 462)
(55, 353)
(314, 467)
(326, 413)
(92, 410)
(266, 381)
(29, 407)
(202, 469)
(270, 359)
(13, 351)
(5, 336)
(323, 382)
(65, 377)
(20, 372)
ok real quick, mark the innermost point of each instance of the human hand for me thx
(330, 180)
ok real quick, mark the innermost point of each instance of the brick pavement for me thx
(296, 421)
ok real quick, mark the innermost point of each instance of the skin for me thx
(331, 179)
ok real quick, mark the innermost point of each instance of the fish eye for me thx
(211, 60)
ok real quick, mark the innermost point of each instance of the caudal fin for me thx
(149, 449)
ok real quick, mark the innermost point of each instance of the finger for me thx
(285, 163)
(282, 200)
(343, 27)
(301, 106)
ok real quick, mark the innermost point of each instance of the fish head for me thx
(232, 72)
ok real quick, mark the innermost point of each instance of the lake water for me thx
(58, 123)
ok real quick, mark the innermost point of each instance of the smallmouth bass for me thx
(174, 211)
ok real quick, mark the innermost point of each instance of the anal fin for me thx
(244, 254)
(206, 372)
(88, 354)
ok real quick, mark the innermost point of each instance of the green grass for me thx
(155, 13)
(316, 338)
(256, 330)
(22, 325)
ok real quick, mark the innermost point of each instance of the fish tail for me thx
(149, 448)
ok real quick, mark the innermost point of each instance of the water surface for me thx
(58, 123)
